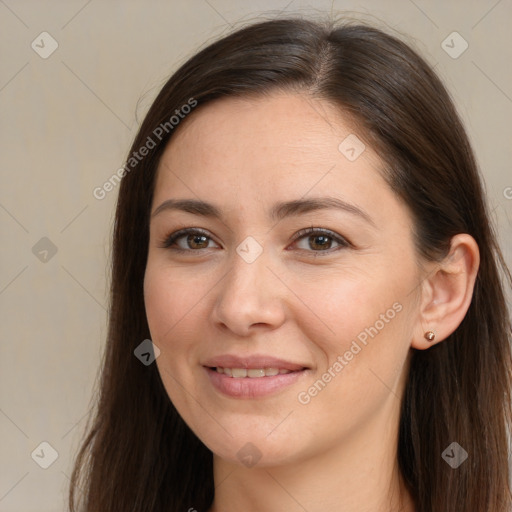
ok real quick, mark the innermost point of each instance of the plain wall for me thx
(66, 124)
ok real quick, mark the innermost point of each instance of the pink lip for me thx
(256, 361)
(246, 387)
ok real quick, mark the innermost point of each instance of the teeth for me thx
(251, 372)
(255, 372)
(238, 372)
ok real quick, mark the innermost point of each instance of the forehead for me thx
(287, 123)
(278, 147)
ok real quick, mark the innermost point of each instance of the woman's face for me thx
(331, 312)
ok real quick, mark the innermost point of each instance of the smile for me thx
(252, 383)
(251, 373)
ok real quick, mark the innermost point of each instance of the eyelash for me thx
(170, 239)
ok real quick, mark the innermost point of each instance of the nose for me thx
(251, 296)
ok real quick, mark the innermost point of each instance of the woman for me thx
(302, 234)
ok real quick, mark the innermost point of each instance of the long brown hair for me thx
(138, 454)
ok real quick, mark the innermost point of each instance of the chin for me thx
(254, 447)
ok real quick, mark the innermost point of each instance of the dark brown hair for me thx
(139, 455)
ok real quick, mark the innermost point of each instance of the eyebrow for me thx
(278, 212)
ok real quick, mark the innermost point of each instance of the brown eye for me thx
(195, 239)
(318, 240)
(321, 240)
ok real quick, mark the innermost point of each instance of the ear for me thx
(446, 292)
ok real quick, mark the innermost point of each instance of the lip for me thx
(250, 388)
(255, 361)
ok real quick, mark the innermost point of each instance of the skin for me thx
(338, 451)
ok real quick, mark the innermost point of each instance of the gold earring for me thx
(430, 335)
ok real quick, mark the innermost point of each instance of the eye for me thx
(321, 239)
(197, 239)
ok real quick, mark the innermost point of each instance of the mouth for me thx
(253, 377)
(252, 373)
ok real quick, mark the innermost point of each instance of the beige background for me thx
(66, 126)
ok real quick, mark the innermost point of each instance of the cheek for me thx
(170, 310)
(362, 342)
(170, 299)
(169, 303)
(343, 309)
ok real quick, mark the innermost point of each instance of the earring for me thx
(430, 335)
